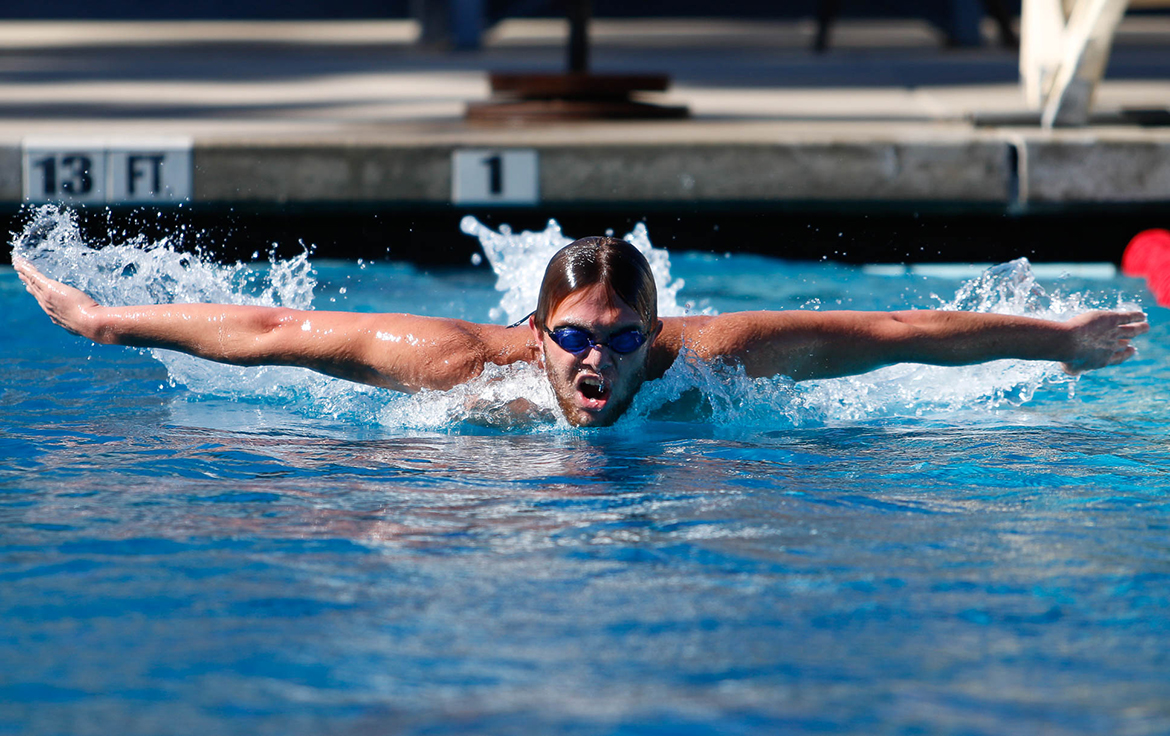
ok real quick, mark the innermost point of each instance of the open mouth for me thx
(594, 391)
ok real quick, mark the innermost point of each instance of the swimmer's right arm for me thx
(396, 351)
(808, 345)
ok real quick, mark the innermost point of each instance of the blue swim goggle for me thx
(576, 340)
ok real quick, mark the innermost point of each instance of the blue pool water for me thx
(189, 548)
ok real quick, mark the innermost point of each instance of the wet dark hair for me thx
(600, 260)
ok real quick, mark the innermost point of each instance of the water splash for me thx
(1007, 288)
(138, 271)
(723, 394)
(516, 397)
(519, 260)
(920, 390)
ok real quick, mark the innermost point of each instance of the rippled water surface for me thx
(190, 550)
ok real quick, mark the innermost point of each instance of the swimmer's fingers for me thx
(24, 271)
(1101, 339)
(1119, 356)
(66, 306)
(1124, 354)
(1133, 329)
(34, 281)
(1101, 321)
(1127, 327)
(1106, 327)
(1121, 353)
(1130, 324)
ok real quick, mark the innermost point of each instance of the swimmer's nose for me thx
(597, 356)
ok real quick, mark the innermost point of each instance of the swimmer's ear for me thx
(537, 336)
(657, 331)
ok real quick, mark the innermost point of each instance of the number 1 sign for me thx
(487, 176)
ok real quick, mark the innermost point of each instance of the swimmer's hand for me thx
(70, 308)
(1100, 339)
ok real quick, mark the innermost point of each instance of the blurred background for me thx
(835, 129)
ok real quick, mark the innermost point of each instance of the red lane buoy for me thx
(1148, 256)
(1148, 252)
(1159, 284)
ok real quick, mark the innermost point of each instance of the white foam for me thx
(1087, 271)
(519, 260)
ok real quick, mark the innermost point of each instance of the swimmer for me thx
(595, 333)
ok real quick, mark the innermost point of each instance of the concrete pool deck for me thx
(354, 112)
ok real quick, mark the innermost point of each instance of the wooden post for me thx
(576, 94)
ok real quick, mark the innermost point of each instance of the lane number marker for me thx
(495, 176)
(107, 171)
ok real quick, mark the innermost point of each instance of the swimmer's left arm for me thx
(807, 345)
(398, 351)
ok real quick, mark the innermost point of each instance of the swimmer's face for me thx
(594, 387)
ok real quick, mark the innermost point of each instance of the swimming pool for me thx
(191, 549)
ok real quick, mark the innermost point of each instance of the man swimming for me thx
(595, 332)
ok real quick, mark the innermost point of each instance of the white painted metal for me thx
(1088, 39)
(1041, 47)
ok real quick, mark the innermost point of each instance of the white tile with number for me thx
(105, 171)
(495, 176)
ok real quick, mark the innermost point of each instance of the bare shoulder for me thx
(676, 331)
(506, 345)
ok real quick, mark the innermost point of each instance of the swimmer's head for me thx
(599, 260)
(599, 291)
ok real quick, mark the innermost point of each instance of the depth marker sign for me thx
(106, 171)
(495, 176)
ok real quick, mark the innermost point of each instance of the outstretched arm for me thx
(805, 345)
(397, 351)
